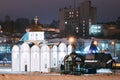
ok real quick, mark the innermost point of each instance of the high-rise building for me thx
(75, 21)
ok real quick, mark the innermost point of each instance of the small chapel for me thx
(41, 56)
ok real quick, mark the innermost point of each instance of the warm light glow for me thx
(95, 43)
(71, 39)
(112, 42)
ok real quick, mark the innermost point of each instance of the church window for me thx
(31, 35)
(36, 36)
(54, 61)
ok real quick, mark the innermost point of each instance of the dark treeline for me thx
(20, 24)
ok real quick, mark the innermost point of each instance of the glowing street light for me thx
(71, 40)
(95, 43)
(113, 44)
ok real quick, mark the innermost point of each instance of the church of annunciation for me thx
(41, 56)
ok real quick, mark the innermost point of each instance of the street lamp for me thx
(95, 43)
(71, 40)
(113, 44)
(115, 56)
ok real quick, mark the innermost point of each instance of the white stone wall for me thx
(54, 56)
(62, 52)
(15, 58)
(45, 58)
(35, 58)
(24, 57)
(38, 58)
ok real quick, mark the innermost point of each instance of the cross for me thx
(36, 20)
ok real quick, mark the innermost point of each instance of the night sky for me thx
(47, 10)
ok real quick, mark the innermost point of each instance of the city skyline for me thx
(48, 10)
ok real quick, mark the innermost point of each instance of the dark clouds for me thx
(47, 10)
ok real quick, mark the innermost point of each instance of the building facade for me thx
(76, 21)
(42, 58)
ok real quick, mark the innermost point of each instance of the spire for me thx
(36, 20)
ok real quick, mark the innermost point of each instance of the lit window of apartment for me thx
(94, 29)
(77, 12)
(72, 12)
(65, 22)
(71, 15)
(76, 15)
(69, 12)
(83, 21)
(83, 24)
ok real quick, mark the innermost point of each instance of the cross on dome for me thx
(36, 20)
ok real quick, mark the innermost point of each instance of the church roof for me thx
(33, 31)
(35, 28)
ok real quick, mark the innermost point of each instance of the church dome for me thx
(35, 28)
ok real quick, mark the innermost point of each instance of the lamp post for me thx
(115, 56)
(113, 44)
(95, 43)
(72, 42)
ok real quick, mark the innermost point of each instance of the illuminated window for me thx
(77, 15)
(83, 27)
(65, 22)
(94, 29)
(83, 24)
(83, 21)
(76, 27)
(77, 12)
(72, 12)
(69, 12)
(99, 27)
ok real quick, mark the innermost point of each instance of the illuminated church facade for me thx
(41, 56)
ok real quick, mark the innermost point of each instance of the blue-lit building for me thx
(103, 45)
(5, 51)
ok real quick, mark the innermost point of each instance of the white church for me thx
(39, 57)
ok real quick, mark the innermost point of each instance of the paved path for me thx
(7, 74)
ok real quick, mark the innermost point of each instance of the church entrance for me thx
(26, 68)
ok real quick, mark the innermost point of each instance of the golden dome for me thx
(36, 28)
